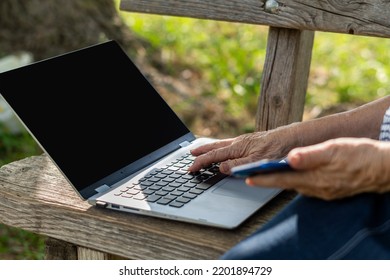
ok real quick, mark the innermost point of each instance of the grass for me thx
(16, 243)
(16, 146)
(229, 57)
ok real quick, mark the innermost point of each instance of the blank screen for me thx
(91, 110)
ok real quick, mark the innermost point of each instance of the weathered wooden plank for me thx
(59, 250)
(285, 77)
(366, 17)
(34, 196)
(89, 254)
(56, 249)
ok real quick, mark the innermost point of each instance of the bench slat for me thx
(34, 196)
(367, 17)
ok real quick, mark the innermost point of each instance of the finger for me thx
(291, 180)
(310, 157)
(211, 146)
(226, 166)
(204, 160)
(226, 156)
(305, 183)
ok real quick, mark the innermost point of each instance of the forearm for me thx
(364, 121)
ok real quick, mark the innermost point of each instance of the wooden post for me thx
(56, 249)
(89, 254)
(59, 250)
(285, 77)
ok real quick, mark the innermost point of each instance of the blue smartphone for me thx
(260, 167)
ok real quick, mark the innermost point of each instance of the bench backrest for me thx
(290, 39)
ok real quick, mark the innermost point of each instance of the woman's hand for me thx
(334, 169)
(245, 148)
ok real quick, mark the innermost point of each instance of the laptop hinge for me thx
(184, 144)
(102, 188)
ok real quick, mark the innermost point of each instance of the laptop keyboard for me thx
(172, 184)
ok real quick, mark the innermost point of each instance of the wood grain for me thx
(285, 77)
(367, 17)
(34, 196)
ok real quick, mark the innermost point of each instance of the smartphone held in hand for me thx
(260, 167)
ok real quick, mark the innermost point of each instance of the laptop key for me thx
(132, 192)
(148, 192)
(183, 189)
(189, 195)
(168, 189)
(188, 177)
(162, 193)
(181, 181)
(196, 181)
(173, 185)
(177, 193)
(140, 196)
(203, 177)
(203, 186)
(189, 185)
(146, 183)
(195, 191)
(214, 179)
(171, 197)
(176, 204)
(164, 201)
(167, 172)
(169, 180)
(153, 179)
(175, 175)
(154, 188)
(183, 200)
(153, 198)
(162, 184)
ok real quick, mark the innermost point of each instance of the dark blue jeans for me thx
(308, 228)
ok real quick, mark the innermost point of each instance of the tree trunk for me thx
(47, 28)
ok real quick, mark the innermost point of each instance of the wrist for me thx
(384, 163)
(289, 136)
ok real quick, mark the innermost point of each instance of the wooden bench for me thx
(30, 188)
(30, 192)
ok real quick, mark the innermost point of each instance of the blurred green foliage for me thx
(16, 243)
(230, 57)
(15, 146)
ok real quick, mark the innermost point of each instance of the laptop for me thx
(117, 141)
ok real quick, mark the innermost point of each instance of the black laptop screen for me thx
(91, 110)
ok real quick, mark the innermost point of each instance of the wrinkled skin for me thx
(334, 157)
(242, 149)
(334, 169)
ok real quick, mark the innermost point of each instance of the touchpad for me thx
(238, 188)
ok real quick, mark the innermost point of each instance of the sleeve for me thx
(385, 127)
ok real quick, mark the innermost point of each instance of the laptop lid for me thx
(96, 115)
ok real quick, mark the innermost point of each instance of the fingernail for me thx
(249, 181)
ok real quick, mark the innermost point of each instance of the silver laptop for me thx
(118, 143)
